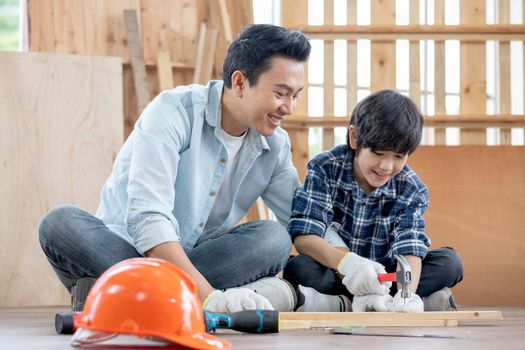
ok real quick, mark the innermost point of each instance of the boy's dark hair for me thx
(387, 121)
(253, 49)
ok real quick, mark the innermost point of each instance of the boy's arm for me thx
(319, 249)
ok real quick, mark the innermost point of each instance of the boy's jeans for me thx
(77, 245)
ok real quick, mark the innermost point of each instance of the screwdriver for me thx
(248, 321)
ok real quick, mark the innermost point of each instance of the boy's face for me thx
(265, 105)
(373, 169)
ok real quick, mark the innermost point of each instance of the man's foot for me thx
(310, 300)
(278, 291)
(80, 291)
(442, 300)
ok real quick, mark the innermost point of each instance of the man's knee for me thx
(276, 238)
(54, 221)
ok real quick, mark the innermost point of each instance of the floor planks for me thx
(33, 328)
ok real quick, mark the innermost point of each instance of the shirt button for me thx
(212, 193)
(201, 224)
(222, 160)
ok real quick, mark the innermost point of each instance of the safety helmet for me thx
(147, 297)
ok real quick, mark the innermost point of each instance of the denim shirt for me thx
(166, 175)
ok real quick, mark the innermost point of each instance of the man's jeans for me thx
(77, 245)
(440, 268)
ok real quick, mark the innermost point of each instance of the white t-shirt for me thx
(218, 211)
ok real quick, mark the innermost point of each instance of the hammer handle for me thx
(387, 277)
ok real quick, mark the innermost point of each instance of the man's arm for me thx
(173, 252)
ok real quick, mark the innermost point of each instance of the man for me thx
(197, 160)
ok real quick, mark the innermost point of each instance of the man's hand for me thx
(372, 302)
(235, 299)
(412, 304)
(361, 275)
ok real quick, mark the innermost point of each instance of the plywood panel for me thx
(60, 128)
(472, 76)
(477, 203)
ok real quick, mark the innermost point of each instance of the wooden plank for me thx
(226, 25)
(328, 83)
(141, 84)
(205, 55)
(473, 88)
(439, 74)
(469, 121)
(164, 71)
(480, 214)
(382, 32)
(58, 147)
(383, 54)
(503, 93)
(295, 325)
(435, 315)
(351, 60)
(41, 16)
(305, 320)
(295, 13)
(414, 89)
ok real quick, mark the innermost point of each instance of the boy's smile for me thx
(373, 169)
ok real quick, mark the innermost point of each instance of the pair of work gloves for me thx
(235, 299)
(369, 294)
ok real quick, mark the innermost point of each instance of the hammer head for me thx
(404, 276)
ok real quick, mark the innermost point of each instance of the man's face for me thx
(373, 169)
(274, 96)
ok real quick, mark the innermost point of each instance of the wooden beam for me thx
(471, 121)
(306, 320)
(136, 53)
(205, 54)
(381, 32)
(164, 70)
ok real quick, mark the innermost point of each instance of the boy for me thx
(364, 199)
(197, 160)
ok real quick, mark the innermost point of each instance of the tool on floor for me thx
(248, 321)
(362, 331)
(404, 276)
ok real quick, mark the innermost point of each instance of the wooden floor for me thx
(33, 328)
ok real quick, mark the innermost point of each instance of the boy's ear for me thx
(352, 137)
(239, 81)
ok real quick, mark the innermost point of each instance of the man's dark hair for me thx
(252, 51)
(387, 121)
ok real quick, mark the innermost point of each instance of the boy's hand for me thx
(361, 275)
(372, 302)
(235, 299)
(412, 304)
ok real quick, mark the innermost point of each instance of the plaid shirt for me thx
(387, 222)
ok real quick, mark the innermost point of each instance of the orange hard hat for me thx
(150, 298)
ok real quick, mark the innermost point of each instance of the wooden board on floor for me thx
(61, 125)
(477, 203)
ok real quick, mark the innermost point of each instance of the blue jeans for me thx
(78, 245)
(440, 268)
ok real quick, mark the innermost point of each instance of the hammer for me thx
(404, 276)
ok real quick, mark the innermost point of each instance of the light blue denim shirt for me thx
(165, 177)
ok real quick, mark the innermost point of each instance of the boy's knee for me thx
(453, 263)
(298, 268)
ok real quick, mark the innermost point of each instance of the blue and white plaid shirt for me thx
(387, 222)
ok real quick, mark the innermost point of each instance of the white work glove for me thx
(235, 299)
(372, 302)
(361, 275)
(412, 304)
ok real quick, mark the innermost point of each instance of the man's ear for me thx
(239, 81)
(352, 137)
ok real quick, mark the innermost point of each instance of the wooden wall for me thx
(96, 27)
(60, 129)
(468, 185)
